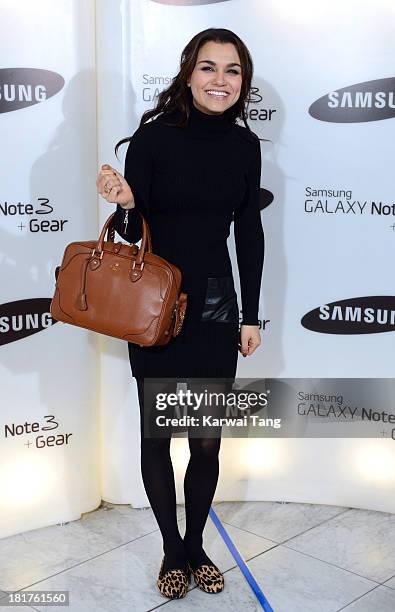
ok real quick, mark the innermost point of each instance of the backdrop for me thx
(49, 448)
(78, 80)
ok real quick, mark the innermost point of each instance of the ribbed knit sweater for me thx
(190, 184)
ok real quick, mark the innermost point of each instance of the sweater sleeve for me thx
(138, 172)
(249, 241)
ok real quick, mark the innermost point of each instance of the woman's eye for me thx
(230, 70)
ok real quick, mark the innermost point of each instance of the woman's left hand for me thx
(250, 339)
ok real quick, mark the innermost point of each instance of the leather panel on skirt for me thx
(220, 303)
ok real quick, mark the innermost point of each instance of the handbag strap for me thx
(146, 243)
(97, 252)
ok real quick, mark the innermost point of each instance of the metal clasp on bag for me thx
(136, 273)
(95, 260)
(94, 254)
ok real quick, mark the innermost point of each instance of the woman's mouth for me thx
(217, 94)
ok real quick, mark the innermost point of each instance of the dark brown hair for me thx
(175, 97)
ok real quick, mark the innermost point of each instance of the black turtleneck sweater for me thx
(190, 184)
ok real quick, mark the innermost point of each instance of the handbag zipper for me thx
(126, 220)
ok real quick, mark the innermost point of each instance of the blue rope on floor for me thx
(241, 563)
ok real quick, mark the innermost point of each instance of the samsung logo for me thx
(360, 315)
(22, 87)
(24, 318)
(368, 101)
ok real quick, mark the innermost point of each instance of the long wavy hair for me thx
(175, 97)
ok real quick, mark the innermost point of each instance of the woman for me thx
(191, 171)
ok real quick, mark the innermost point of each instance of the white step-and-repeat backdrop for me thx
(49, 373)
(78, 80)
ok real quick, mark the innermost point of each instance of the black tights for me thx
(200, 482)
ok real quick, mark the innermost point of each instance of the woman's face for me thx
(217, 69)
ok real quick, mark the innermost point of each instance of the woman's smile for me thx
(216, 79)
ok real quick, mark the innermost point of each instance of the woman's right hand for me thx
(114, 188)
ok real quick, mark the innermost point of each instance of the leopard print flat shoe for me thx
(208, 578)
(173, 583)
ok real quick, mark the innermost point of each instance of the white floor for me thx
(305, 557)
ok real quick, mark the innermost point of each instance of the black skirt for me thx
(207, 349)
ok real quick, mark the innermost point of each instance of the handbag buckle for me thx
(134, 265)
(94, 254)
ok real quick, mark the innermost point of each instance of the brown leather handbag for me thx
(120, 290)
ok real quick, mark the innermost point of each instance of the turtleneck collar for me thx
(204, 124)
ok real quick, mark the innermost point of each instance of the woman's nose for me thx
(219, 79)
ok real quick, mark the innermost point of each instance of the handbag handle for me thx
(97, 253)
(146, 238)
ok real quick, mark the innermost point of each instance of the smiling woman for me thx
(216, 84)
(190, 170)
